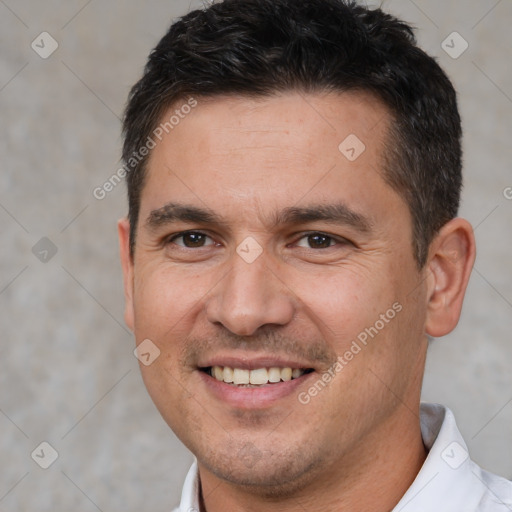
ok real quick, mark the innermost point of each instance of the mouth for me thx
(254, 378)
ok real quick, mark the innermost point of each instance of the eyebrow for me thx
(337, 213)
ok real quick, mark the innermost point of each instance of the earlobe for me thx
(123, 230)
(451, 258)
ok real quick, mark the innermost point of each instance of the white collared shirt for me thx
(449, 481)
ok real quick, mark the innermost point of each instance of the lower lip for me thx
(253, 397)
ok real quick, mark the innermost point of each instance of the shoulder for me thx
(497, 491)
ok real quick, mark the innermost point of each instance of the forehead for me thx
(250, 154)
(220, 123)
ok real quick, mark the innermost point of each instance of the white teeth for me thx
(218, 373)
(274, 374)
(256, 377)
(240, 376)
(259, 376)
(227, 374)
(286, 374)
(296, 372)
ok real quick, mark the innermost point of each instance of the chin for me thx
(268, 475)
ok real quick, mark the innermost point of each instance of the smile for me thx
(257, 377)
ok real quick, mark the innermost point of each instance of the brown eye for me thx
(192, 240)
(316, 241)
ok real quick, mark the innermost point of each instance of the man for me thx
(294, 172)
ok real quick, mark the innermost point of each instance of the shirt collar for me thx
(445, 479)
(448, 480)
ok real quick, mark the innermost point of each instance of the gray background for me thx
(67, 372)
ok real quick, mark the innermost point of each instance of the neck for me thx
(373, 476)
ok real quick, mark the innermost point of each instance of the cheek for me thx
(343, 302)
(164, 300)
(163, 297)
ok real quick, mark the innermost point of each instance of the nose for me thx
(250, 296)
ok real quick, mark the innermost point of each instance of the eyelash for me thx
(336, 240)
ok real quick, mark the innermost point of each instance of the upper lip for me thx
(253, 363)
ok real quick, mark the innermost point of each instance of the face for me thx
(269, 244)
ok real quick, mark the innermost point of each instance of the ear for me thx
(123, 230)
(451, 259)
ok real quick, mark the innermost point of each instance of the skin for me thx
(356, 445)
